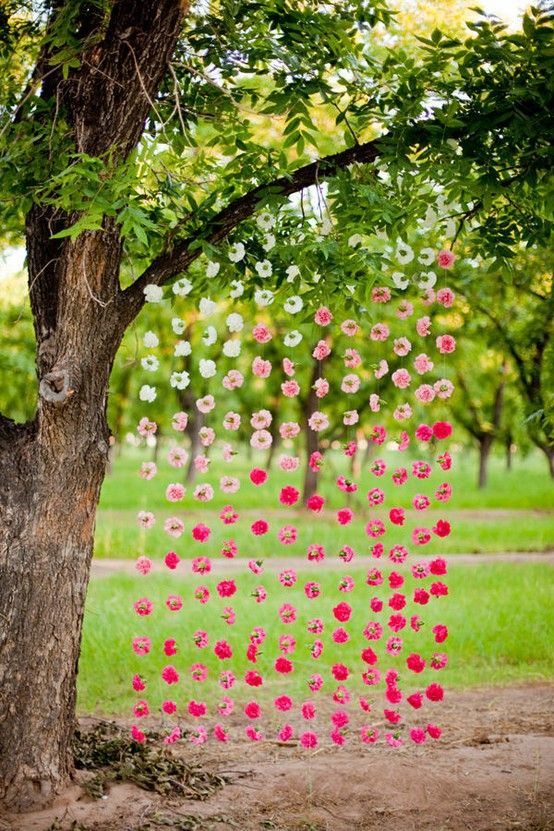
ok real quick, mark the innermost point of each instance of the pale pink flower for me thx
(174, 526)
(289, 462)
(143, 565)
(174, 492)
(401, 347)
(290, 389)
(425, 393)
(350, 383)
(261, 439)
(146, 427)
(323, 316)
(206, 436)
(379, 332)
(423, 364)
(318, 421)
(146, 519)
(403, 412)
(405, 309)
(261, 333)
(445, 258)
(233, 380)
(374, 402)
(289, 429)
(228, 452)
(380, 294)
(322, 350)
(443, 388)
(261, 419)
(321, 387)
(423, 326)
(199, 736)
(177, 456)
(446, 344)
(288, 367)
(231, 420)
(148, 470)
(381, 369)
(350, 417)
(352, 358)
(401, 378)
(229, 484)
(350, 328)
(206, 404)
(261, 368)
(428, 297)
(201, 463)
(203, 493)
(180, 421)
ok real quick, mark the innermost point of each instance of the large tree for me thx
(131, 144)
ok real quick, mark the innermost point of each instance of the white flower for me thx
(316, 278)
(326, 227)
(292, 338)
(264, 268)
(150, 340)
(182, 287)
(179, 380)
(354, 240)
(150, 363)
(207, 307)
(292, 272)
(234, 322)
(427, 280)
(450, 227)
(399, 280)
(293, 304)
(207, 368)
(178, 325)
(269, 242)
(210, 336)
(153, 293)
(237, 289)
(237, 252)
(147, 393)
(182, 349)
(404, 253)
(231, 348)
(426, 256)
(212, 269)
(263, 297)
(265, 221)
(430, 220)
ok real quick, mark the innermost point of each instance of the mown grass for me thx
(500, 617)
(490, 520)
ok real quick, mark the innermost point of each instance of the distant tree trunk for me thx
(485, 444)
(549, 454)
(509, 452)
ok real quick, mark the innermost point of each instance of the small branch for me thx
(175, 260)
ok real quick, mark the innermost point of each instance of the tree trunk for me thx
(485, 444)
(549, 453)
(509, 452)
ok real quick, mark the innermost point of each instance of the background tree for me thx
(129, 148)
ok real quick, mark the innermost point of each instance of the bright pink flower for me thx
(312, 590)
(199, 672)
(252, 710)
(397, 622)
(342, 612)
(400, 476)
(340, 635)
(286, 733)
(259, 527)
(373, 631)
(222, 650)
(283, 665)
(197, 709)
(142, 646)
(226, 588)
(283, 703)
(315, 682)
(421, 502)
(308, 710)
(434, 692)
(253, 734)
(228, 515)
(433, 731)
(323, 316)
(344, 516)
(200, 638)
(368, 656)
(375, 528)
(288, 577)
(415, 662)
(220, 733)
(229, 549)
(137, 735)
(287, 535)
(170, 675)
(421, 596)
(440, 632)
(442, 528)
(397, 516)
(201, 532)
(374, 577)
(316, 461)
(289, 495)
(143, 607)
(415, 700)
(446, 297)
(376, 604)
(346, 554)
(378, 467)
(421, 470)
(287, 613)
(229, 615)
(315, 503)
(424, 432)
(438, 589)
(308, 739)
(174, 602)
(397, 601)
(445, 258)
(396, 580)
(227, 679)
(140, 709)
(315, 553)
(417, 735)
(253, 678)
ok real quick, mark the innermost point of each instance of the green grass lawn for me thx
(514, 513)
(500, 616)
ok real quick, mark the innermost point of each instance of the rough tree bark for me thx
(51, 469)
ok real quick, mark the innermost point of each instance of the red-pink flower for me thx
(252, 710)
(289, 495)
(440, 632)
(308, 710)
(415, 700)
(259, 527)
(417, 735)
(222, 650)
(434, 692)
(287, 534)
(344, 516)
(142, 646)
(170, 675)
(228, 515)
(342, 612)
(396, 516)
(415, 662)
(442, 528)
(201, 532)
(283, 703)
(316, 460)
(434, 731)
(253, 678)
(283, 665)
(258, 476)
(197, 708)
(226, 588)
(312, 589)
(308, 739)
(138, 735)
(442, 430)
(143, 607)
(172, 560)
(315, 503)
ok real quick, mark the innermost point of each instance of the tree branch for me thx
(177, 259)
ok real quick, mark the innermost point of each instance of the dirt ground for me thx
(493, 771)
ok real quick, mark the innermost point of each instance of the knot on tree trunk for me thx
(54, 387)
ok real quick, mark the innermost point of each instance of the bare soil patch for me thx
(494, 771)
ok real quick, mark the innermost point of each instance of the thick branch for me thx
(177, 259)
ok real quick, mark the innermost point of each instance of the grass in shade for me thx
(500, 617)
(514, 513)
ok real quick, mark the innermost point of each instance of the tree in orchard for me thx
(130, 144)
